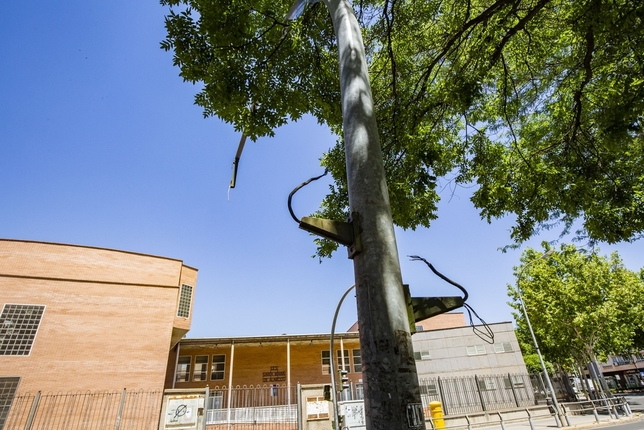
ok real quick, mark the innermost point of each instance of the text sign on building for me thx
(274, 375)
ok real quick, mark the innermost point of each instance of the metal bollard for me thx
(565, 413)
(436, 411)
(595, 412)
(501, 419)
(627, 407)
(530, 419)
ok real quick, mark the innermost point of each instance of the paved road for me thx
(636, 401)
(635, 425)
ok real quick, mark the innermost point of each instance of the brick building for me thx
(79, 318)
(443, 345)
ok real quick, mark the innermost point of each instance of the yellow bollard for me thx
(436, 411)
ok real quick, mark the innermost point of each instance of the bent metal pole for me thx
(392, 394)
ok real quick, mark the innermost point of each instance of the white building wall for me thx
(448, 352)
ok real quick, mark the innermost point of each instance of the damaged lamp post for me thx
(392, 394)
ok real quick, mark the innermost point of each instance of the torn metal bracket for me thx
(345, 233)
(421, 308)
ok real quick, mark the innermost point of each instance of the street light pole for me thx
(334, 391)
(391, 389)
(547, 254)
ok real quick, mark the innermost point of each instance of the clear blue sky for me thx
(101, 145)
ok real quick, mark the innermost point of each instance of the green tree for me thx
(529, 353)
(537, 102)
(582, 306)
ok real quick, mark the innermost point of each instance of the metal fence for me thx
(478, 393)
(541, 391)
(253, 407)
(123, 410)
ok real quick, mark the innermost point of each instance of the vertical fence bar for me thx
(32, 412)
(120, 412)
(300, 421)
(514, 393)
(442, 395)
(205, 406)
(478, 389)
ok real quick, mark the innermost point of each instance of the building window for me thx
(419, 328)
(347, 360)
(357, 360)
(8, 387)
(428, 389)
(486, 384)
(326, 362)
(218, 367)
(513, 380)
(216, 400)
(18, 327)
(183, 368)
(359, 392)
(185, 298)
(201, 368)
(502, 347)
(421, 355)
(476, 350)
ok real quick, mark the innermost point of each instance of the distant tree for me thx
(581, 306)
(539, 103)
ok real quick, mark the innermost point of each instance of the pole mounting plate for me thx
(346, 233)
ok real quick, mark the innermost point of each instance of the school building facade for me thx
(443, 345)
(85, 319)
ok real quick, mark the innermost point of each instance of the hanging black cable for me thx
(303, 184)
(487, 334)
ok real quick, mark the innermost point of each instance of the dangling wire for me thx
(487, 334)
(303, 184)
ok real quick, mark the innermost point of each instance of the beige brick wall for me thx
(105, 335)
(58, 261)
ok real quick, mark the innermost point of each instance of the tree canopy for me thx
(581, 305)
(537, 103)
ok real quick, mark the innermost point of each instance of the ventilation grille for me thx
(18, 327)
(185, 298)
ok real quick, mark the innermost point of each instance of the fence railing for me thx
(123, 410)
(252, 404)
(478, 393)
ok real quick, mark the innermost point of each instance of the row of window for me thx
(471, 350)
(349, 360)
(200, 370)
(344, 361)
(483, 384)
(498, 348)
(197, 371)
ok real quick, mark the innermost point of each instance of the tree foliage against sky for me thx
(538, 103)
(581, 305)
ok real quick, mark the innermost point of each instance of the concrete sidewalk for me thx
(543, 423)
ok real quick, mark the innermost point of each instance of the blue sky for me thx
(101, 145)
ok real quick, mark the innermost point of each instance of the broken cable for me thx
(488, 334)
(303, 184)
